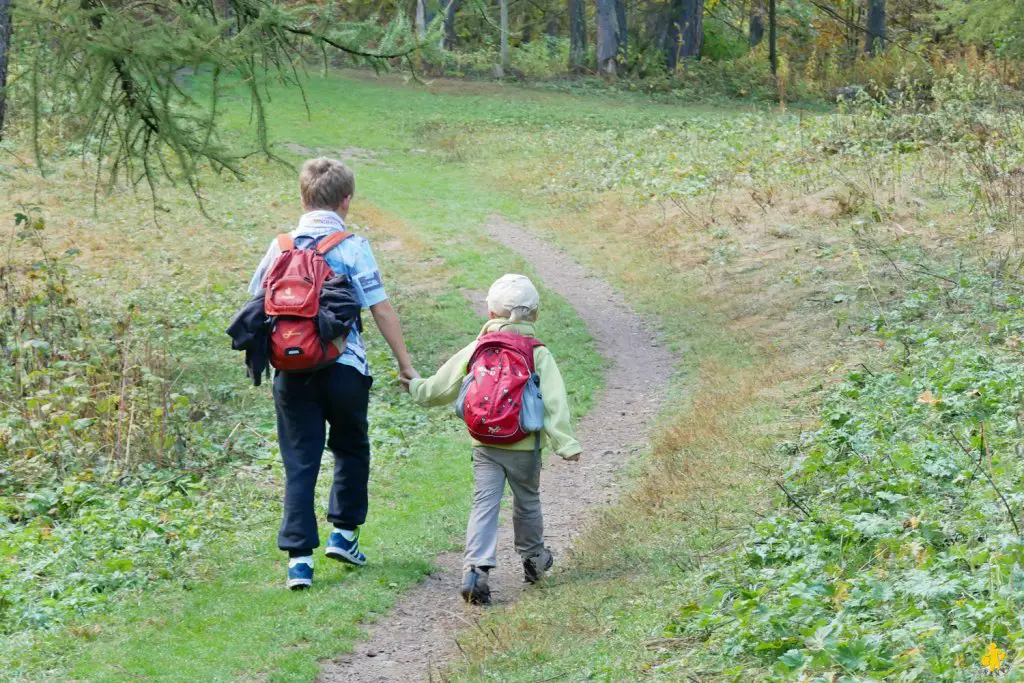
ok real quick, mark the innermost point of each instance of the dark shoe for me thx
(475, 590)
(535, 567)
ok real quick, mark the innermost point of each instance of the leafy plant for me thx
(102, 447)
(901, 555)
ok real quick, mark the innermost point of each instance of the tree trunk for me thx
(577, 35)
(504, 39)
(421, 20)
(623, 38)
(874, 42)
(449, 24)
(756, 22)
(686, 32)
(691, 25)
(5, 51)
(773, 44)
(607, 37)
(553, 28)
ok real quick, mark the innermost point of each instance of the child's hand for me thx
(406, 377)
(572, 458)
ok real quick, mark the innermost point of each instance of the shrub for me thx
(543, 58)
(102, 447)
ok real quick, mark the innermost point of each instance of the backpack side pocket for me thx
(531, 414)
(460, 402)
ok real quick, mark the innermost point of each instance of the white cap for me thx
(511, 292)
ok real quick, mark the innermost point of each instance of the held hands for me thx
(406, 375)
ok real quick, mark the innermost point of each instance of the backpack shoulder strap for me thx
(331, 241)
(285, 242)
(528, 346)
(508, 340)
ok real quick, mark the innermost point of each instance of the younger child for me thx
(513, 303)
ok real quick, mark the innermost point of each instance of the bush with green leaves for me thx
(103, 447)
(545, 57)
(900, 555)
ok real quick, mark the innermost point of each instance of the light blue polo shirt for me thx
(353, 257)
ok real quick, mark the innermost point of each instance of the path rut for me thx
(417, 638)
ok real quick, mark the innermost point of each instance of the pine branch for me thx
(114, 68)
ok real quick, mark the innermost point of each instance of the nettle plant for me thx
(901, 554)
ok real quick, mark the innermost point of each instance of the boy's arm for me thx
(557, 419)
(256, 283)
(387, 322)
(444, 386)
(362, 268)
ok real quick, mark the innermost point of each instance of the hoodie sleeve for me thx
(444, 386)
(557, 420)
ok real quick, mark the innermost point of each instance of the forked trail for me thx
(417, 638)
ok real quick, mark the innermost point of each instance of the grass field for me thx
(425, 225)
(766, 246)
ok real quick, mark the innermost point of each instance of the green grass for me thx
(432, 164)
(233, 618)
(673, 583)
(431, 167)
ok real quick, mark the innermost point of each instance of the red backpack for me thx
(293, 287)
(491, 401)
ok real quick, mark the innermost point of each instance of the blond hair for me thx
(325, 183)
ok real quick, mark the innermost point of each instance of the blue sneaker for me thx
(300, 575)
(341, 549)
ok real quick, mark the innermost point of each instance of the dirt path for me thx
(417, 638)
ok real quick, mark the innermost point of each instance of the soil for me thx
(348, 155)
(417, 638)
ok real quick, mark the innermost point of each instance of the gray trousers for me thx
(491, 468)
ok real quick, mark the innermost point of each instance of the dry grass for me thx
(770, 320)
(707, 448)
(128, 245)
(710, 474)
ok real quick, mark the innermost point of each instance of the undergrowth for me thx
(103, 447)
(900, 555)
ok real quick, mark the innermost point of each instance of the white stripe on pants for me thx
(491, 468)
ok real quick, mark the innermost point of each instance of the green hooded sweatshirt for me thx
(444, 387)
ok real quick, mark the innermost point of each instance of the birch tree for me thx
(421, 20)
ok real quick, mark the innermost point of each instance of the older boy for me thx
(513, 303)
(337, 396)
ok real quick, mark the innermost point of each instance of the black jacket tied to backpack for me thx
(250, 328)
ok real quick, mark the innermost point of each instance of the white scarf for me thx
(321, 221)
